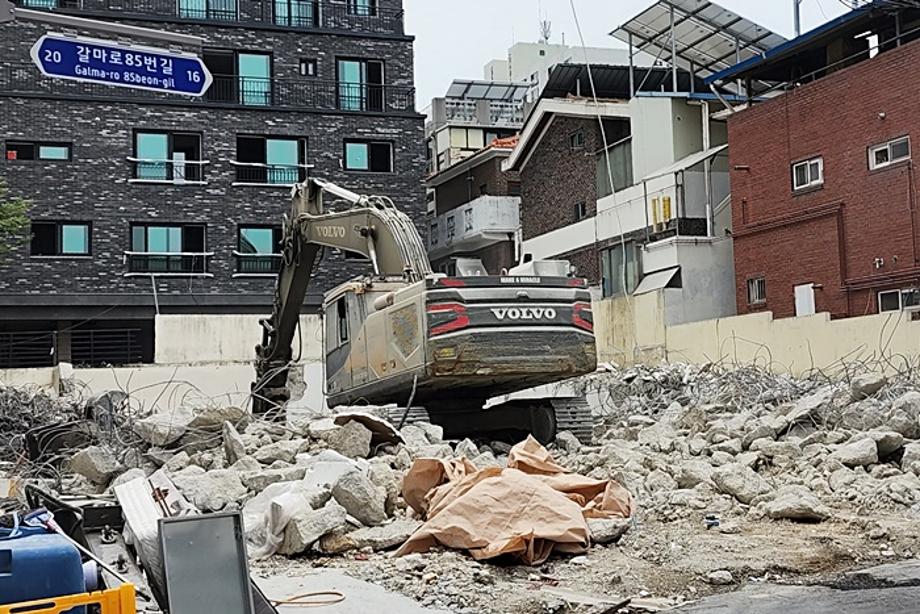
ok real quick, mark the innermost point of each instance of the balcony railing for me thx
(106, 346)
(167, 171)
(257, 173)
(257, 264)
(295, 14)
(307, 94)
(168, 263)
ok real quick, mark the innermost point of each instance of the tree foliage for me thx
(14, 220)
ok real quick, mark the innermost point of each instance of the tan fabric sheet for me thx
(528, 510)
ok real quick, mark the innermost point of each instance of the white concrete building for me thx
(660, 219)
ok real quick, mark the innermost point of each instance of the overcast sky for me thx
(454, 38)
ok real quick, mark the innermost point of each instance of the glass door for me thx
(254, 70)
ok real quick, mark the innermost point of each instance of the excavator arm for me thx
(372, 226)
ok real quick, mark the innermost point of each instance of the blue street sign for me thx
(98, 61)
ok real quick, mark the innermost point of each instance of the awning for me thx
(688, 162)
(656, 281)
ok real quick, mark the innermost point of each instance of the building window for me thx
(364, 8)
(258, 250)
(34, 150)
(167, 249)
(619, 158)
(577, 140)
(239, 77)
(270, 160)
(757, 291)
(360, 85)
(433, 233)
(808, 174)
(619, 269)
(60, 239)
(514, 188)
(581, 211)
(898, 300)
(308, 68)
(296, 13)
(167, 156)
(217, 10)
(889, 153)
(372, 156)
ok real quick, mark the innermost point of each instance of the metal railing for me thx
(24, 349)
(101, 347)
(257, 264)
(296, 14)
(308, 94)
(168, 263)
(256, 173)
(167, 171)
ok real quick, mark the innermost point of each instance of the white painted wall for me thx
(708, 275)
(191, 339)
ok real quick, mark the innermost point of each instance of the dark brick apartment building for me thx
(146, 203)
(823, 176)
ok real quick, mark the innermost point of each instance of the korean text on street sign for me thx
(98, 61)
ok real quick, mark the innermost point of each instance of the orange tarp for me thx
(528, 510)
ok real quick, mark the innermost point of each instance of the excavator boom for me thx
(371, 226)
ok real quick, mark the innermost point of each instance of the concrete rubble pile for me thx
(23, 408)
(688, 443)
(687, 440)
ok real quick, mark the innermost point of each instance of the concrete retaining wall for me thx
(191, 339)
(633, 331)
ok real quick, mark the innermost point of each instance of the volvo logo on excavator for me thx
(330, 232)
(524, 313)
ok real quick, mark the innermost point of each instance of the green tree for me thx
(14, 220)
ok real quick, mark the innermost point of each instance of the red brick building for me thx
(824, 176)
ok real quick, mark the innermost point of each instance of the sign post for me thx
(92, 60)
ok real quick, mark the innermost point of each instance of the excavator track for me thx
(541, 417)
(574, 415)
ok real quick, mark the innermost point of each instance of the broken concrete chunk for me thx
(607, 530)
(308, 525)
(213, 418)
(261, 479)
(467, 448)
(721, 577)
(693, 472)
(164, 428)
(740, 481)
(385, 536)
(486, 459)
(318, 429)
(659, 481)
(887, 442)
(178, 462)
(361, 498)
(95, 463)
(280, 450)
(911, 456)
(841, 478)
(433, 432)
(246, 463)
(796, 503)
(858, 453)
(353, 440)
(414, 436)
(210, 491)
(566, 440)
(234, 446)
(864, 386)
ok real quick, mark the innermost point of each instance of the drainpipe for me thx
(707, 170)
(645, 206)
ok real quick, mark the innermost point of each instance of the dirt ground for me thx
(662, 561)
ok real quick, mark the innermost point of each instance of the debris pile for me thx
(693, 448)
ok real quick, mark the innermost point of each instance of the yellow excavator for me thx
(439, 347)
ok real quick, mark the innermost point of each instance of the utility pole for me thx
(797, 15)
